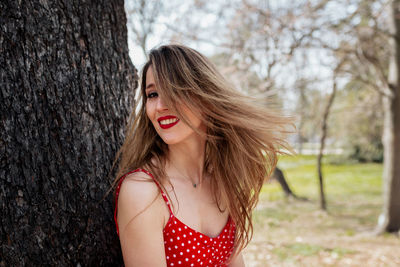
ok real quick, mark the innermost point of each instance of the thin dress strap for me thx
(119, 187)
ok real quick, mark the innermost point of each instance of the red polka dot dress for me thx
(185, 246)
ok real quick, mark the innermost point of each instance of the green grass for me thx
(298, 230)
(339, 180)
(359, 184)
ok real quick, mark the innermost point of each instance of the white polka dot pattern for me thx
(208, 252)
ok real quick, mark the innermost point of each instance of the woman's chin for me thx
(171, 141)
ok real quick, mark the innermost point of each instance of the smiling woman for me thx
(199, 151)
(163, 118)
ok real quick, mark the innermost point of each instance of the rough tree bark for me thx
(389, 221)
(66, 88)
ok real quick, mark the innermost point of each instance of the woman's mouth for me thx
(167, 121)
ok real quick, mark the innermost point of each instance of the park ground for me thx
(290, 232)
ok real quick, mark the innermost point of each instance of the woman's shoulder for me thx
(137, 188)
(137, 195)
(138, 175)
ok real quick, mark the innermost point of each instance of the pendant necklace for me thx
(194, 184)
(190, 180)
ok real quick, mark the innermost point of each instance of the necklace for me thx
(193, 184)
(190, 180)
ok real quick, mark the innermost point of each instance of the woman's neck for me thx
(187, 158)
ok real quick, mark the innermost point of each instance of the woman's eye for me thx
(152, 94)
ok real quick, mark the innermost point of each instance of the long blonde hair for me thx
(243, 138)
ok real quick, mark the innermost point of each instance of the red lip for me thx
(166, 126)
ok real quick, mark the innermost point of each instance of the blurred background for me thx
(328, 63)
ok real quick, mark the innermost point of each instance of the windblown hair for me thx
(243, 139)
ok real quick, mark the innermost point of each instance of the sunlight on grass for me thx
(340, 180)
(290, 232)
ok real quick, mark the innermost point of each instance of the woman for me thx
(192, 165)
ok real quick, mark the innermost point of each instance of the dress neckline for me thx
(173, 217)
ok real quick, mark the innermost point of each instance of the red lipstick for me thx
(168, 125)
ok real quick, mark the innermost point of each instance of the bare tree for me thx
(143, 17)
(390, 218)
(373, 45)
(324, 131)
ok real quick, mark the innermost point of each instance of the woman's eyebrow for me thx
(150, 86)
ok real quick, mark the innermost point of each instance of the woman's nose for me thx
(160, 104)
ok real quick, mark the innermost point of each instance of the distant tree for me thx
(280, 178)
(143, 18)
(389, 220)
(358, 122)
(67, 87)
(371, 37)
(324, 132)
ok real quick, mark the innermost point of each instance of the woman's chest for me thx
(188, 247)
(199, 210)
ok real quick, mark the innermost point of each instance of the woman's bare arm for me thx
(237, 261)
(141, 218)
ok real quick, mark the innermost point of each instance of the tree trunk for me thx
(389, 220)
(280, 177)
(324, 131)
(67, 86)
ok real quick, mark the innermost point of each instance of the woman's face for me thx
(168, 126)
